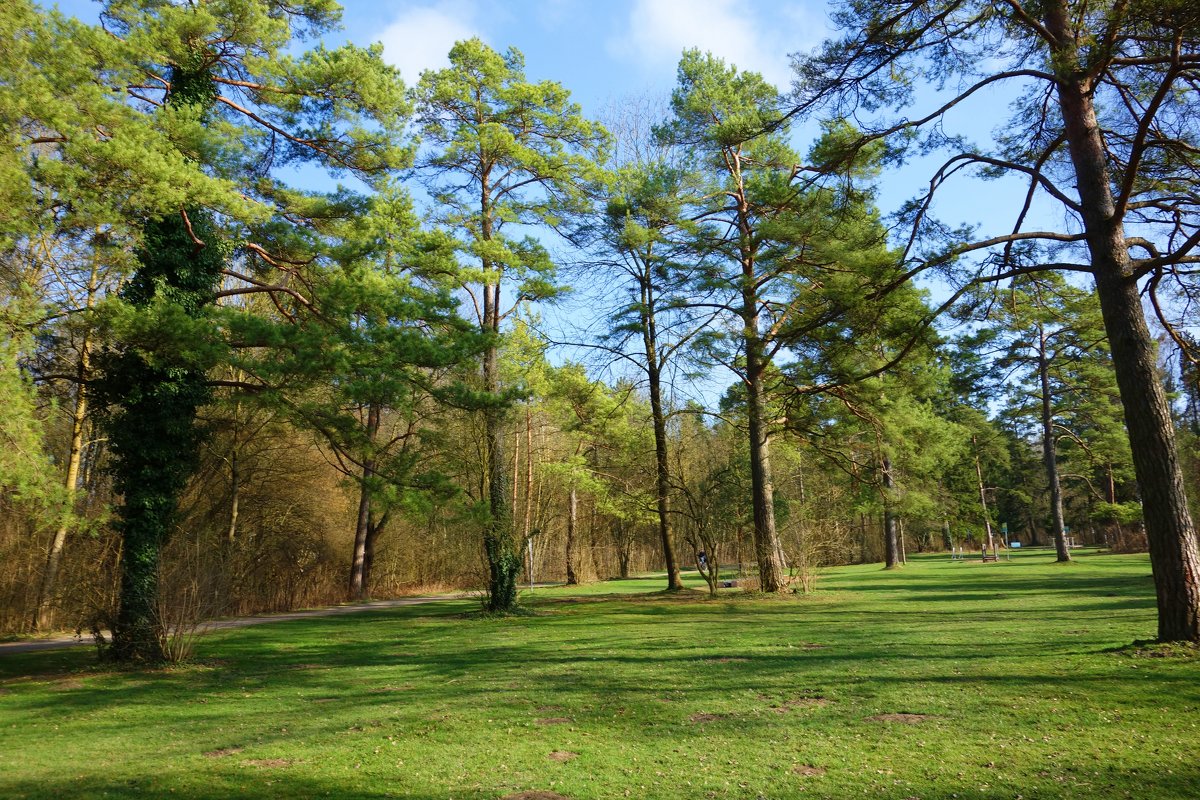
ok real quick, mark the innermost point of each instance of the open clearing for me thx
(941, 680)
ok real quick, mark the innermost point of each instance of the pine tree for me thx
(1122, 169)
(506, 153)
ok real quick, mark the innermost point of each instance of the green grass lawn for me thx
(941, 680)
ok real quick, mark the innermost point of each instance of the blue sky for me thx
(607, 50)
(599, 50)
(604, 51)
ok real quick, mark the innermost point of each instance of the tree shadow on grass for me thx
(288, 782)
(340, 681)
(366, 673)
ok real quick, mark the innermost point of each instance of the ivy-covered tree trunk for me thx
(152, 430)
(499, 541)
(153, 386)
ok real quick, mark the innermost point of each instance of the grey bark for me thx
(358, 588)
(572, 520)
(662, 475)
(891, 541)
(989, 542)
(1049, 454)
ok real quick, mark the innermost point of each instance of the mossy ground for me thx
(940, 680)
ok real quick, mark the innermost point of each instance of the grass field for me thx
(941, 680)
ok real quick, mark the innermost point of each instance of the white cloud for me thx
(421, 36)
(740, 33)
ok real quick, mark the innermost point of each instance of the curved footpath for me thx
(57, 642)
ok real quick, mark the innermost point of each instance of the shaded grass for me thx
(941, 680)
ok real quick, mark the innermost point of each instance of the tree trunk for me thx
(1174, 557)
(358, 587)
(662, 475)
(358, 569)
(1049, 455)
(500, 546)
(624, 545)
(862, 538)
(989, 542)
(599, 565)
(1170, 533)
(374, 529)
(891, 541)
(572, 517)
(154, 436)
(235, 491)
(766, 539)
(767, 548)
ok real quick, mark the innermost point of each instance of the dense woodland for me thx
(279, 328)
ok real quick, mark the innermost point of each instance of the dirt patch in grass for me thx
(1152, 649)
(553, 721)
(800, 702)
(808, 770)
(387, 689)
(727, 660)
(536, 794)
(222, 752)
(903, 719)
(53, 680)
(562, 755)
(706, 717)
(810, 646)
(267, 763)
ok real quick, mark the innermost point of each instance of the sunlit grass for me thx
(942, 679)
